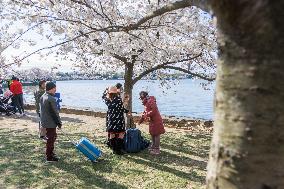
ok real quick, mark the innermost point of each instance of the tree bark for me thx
(247, 150)
(128, 87)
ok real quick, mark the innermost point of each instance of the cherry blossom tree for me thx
(247, 147)
(122, 35)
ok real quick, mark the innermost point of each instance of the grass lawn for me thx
(182, 163)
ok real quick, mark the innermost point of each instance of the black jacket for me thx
(115, 114)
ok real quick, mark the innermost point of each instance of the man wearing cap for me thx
(49, 117)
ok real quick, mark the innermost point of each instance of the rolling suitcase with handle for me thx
(86, 147)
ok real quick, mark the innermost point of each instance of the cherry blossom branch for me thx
(69, 20)
(189, 72)
(21, 34)
(121, 58)
(50, 47)
(102, 9)
(202, 4)
(161, 66)
(88, 6)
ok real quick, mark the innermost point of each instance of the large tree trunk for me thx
(128, 87)
(247, 151)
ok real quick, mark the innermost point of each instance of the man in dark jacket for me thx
(49, 117)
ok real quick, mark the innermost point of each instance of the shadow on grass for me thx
(168, 162)
(179, 173)
(178, 160)
(196, 145)
(22, 164)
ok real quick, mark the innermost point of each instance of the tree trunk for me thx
(128, 87)
(247, 151)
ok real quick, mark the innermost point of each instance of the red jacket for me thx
(16, 87)
(151, 112)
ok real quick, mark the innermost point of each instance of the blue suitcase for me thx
(88, 149)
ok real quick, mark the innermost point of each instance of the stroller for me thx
(5, 106)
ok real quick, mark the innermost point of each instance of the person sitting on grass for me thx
(115, 119)
(152, 114)
(50, 119)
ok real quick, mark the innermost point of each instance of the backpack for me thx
(133, 141)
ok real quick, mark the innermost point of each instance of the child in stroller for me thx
(5, 106)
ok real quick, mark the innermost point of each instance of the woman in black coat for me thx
(115, 119)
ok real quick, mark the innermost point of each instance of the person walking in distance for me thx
(17, 89)
(37, 94)
(50, 119)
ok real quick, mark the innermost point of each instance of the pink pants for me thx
(155, 141)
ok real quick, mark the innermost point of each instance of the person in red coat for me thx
(152, 114)
(17, 90)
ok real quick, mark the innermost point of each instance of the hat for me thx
(112, 89)
(49, 85)
(118, 85)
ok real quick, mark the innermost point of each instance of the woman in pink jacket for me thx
(152, 114)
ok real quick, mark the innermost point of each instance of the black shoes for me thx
(53, 159)
(118, 152)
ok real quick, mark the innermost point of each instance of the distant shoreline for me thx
(173, 103)
(170, 121)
